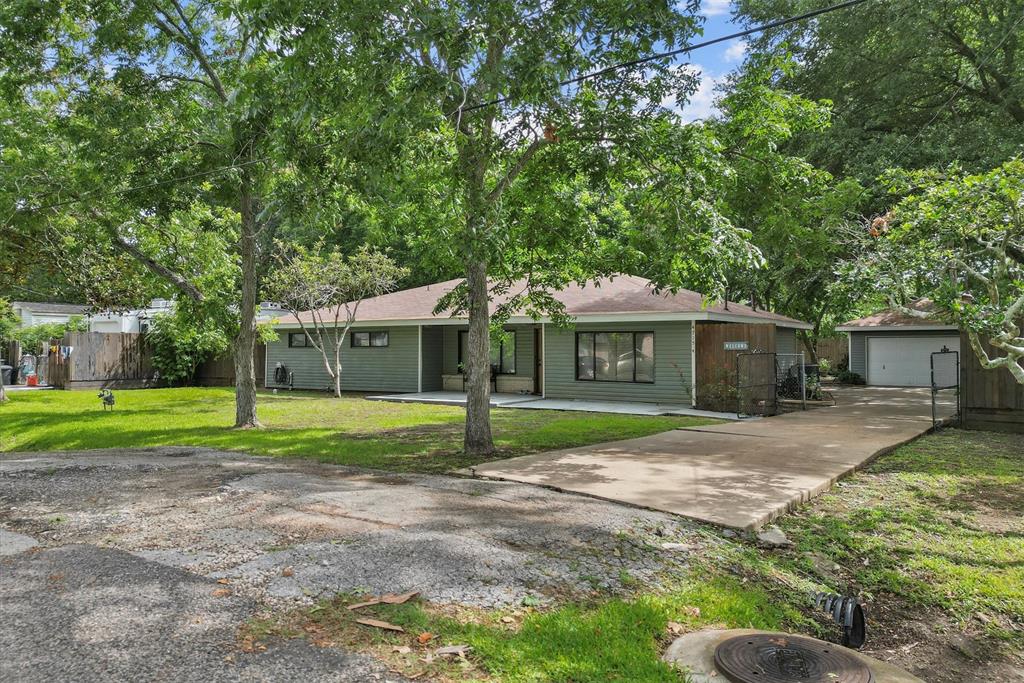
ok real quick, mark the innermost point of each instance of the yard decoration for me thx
(107, 396)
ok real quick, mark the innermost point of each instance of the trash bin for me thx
(5, 374)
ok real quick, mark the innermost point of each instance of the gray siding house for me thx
(628, 343)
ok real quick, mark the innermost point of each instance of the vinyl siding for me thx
(859, 345)
(524, 349)
(390, 368)
(433, 349)
(785, 340)
(671, 364)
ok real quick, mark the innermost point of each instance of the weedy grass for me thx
(349, 430)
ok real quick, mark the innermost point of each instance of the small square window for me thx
(298, 340)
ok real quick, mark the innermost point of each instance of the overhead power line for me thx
(682, 50)
(594, 74)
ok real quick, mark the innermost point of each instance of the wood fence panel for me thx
(833, 348)
(104, 360)
(716, 366)
(220, 371)
(991, 399)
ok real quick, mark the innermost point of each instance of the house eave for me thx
(660, 316)
(897, 328)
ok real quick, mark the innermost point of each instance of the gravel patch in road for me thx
(222, 515)
(81, 613)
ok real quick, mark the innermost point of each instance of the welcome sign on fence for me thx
(735, 345)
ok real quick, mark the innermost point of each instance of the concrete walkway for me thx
(532, 402)
(740, 474)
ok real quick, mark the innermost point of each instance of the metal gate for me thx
(945, 365)
(756, 389)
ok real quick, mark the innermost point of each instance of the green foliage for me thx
(180, 342)
(35, 337)
(8, 320)
(913, 84)
(844, 376)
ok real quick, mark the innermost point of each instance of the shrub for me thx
(34, 337)
(180, 343)
(849, 377)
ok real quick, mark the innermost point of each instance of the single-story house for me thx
(38, 313)
(893, 348)
(627, 343)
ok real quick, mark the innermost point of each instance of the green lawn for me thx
(350, 430)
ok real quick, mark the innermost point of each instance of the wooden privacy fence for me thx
(716, 364)
(90, 360)
(835, 349)
(990, 399)
(124, 360)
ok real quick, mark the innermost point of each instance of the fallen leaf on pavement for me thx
(221, 592)
(223, 581)
(393, 599)
(425, 637)
(380, 624)
(287, 571)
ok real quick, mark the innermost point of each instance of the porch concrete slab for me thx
(741, 474)
(452, 398)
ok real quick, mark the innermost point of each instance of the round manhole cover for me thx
(775, 658)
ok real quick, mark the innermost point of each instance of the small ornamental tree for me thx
(329, 288)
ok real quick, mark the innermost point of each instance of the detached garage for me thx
(893, 349)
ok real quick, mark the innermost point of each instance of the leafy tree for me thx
(146, 128)
(913, 84)
(330, 287)
(523, 182)
(958, 238)
(181, 341)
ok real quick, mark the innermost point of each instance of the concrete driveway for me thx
(739, 475)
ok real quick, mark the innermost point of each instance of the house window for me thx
(368, 339)
(298, 340)
(503, 351)
(615, 357)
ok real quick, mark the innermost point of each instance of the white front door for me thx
(904, 361)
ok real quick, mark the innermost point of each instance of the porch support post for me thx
(419, 359)
(693, 363)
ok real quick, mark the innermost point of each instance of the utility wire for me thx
(687, 48)
(500, 100)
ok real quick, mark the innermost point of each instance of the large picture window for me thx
(615, 357)
(370, 339)
(503, 351)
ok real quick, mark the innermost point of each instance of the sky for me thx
(713, 63)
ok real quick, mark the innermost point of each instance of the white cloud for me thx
(735, 51)
(713, 8)
(701, 104)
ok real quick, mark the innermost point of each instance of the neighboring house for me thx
(37, 313)
(893, 347)
(628, 343)
(112, 322)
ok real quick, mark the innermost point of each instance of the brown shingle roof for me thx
(41, 307)
(621, 294)
(894, 317)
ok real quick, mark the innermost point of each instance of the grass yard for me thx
(347, 431)
(928, 536)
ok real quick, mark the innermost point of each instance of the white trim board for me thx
(899, 328)
(698, 316)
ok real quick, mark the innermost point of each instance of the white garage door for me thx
(904, 361)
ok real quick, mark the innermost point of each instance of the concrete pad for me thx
(452, 398)
(741, 474)
(694, 653)
(12, 543)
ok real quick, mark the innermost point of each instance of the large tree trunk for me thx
(245, 371)
(478, 439)
(337, 369)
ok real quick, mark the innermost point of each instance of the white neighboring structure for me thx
(113, 322)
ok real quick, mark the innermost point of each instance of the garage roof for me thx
(898, 319)
(619, 297)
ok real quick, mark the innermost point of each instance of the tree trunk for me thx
(245, 371)
(810, 346)
(478, 439)
(337, 369)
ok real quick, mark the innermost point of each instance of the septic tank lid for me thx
(776, 658)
